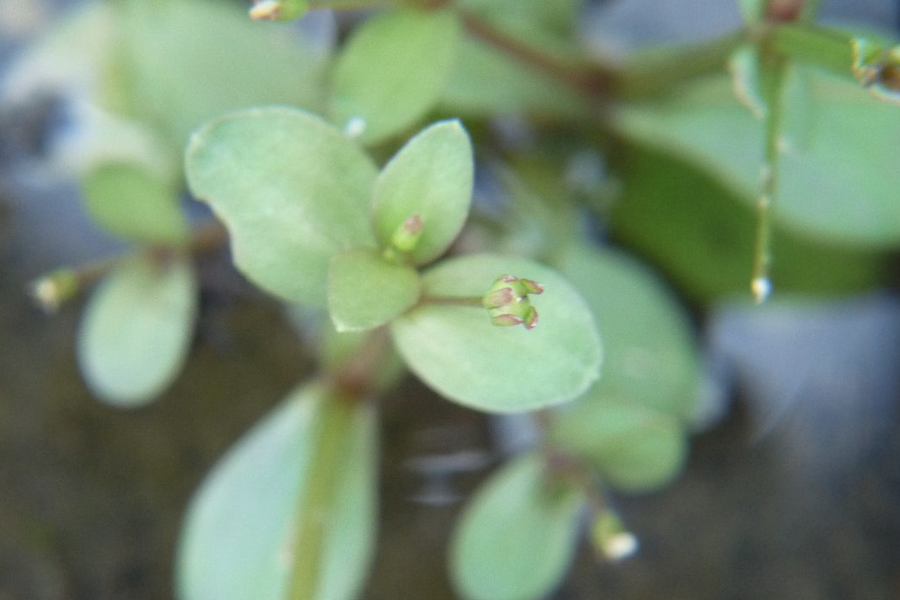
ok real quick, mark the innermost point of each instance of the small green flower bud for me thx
(508, 304)
(407, 235)
(610, 538)
(55, 288)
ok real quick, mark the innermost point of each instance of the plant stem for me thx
(331, 432)
(587, 81)
(206, 238)
(773, 72)
(453, 301)
(349, 4)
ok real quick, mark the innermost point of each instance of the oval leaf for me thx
(635, 448)
(171, 46)
(292, 190)
(431, 176)
(837, 179)
(365, 291)
(249, 532)
(136, 330)
(460, 353)
(649, 348)
(393, 69)
(517, 536)
(129, 201)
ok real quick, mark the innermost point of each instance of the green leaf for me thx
(837, 183)
(365, 290)
(431, 176)
(461, 354)
(136, 330)
(292, 190)
(393, 70)
(278, 512)
(149, 73)
(485, 81)
(752, 10)
(702, 236)
(184, 63)
(517, 536)
(131, 202)
(650, 352)
(635, 448)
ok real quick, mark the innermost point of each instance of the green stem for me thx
(453, 300)
(349, 4)
(587, 81)
(331, 433)
(773, 72)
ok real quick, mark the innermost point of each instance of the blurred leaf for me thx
(649, 349)
(189, 61)
(517, 535)
(292, 190)
(248, 525)
(136, 330)
(752, 10)
(133, 203)
(485, 81)
(549, 26)
(838, 183)
(635, 448)
(431, 176)
(393, 69)
(365, 291)
(142, 75)
(700, 234)
(461, 354)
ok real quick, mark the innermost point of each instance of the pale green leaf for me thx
(393, 69)
(461, 354)
(291, 189)
(431, 176)
(131, 202)
(147, 73)
(185, 62)
(635, 448)
(837, 179)
(248, 524)
(518, 534)
(649, 349)
(485, 81)
(136, 330)
(365, 290)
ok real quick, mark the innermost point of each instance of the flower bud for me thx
(610, 538)
(55, 288)
(508, 304)
(407, 235)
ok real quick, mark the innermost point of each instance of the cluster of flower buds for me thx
(508, 304)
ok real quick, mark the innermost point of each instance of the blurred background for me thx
(792, 489)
